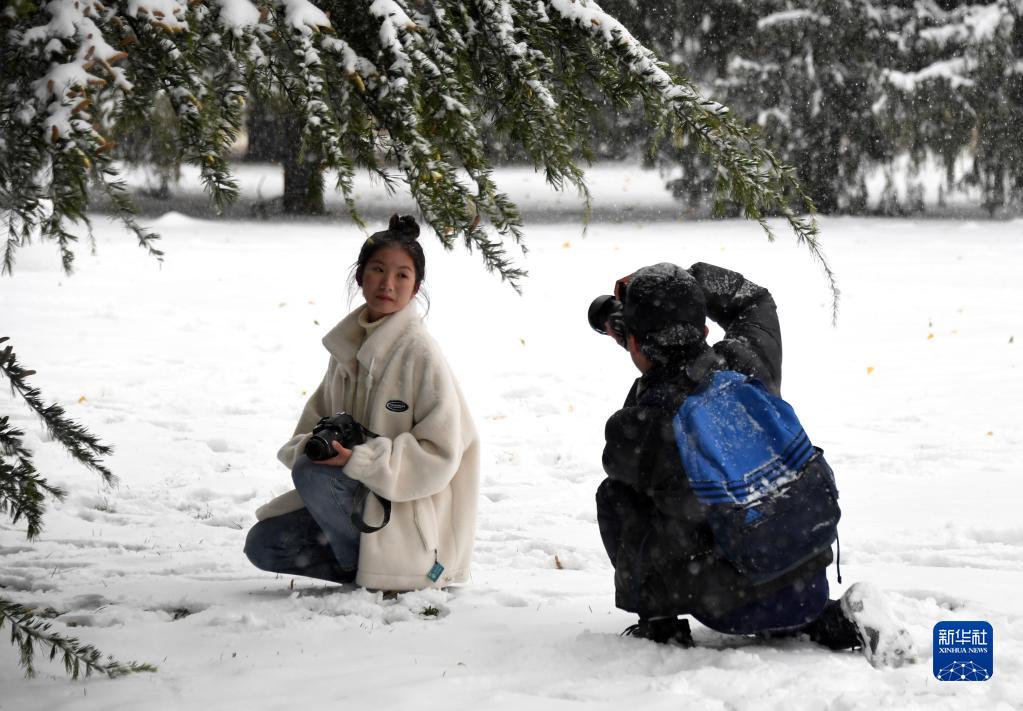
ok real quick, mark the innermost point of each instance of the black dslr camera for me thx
(341, 428)
(608, 310)
(607, 313)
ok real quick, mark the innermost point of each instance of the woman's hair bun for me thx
(404, 226)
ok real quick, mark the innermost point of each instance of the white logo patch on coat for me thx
(396, 406)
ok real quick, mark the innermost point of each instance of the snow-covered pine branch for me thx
(373, 84)
(748, 173)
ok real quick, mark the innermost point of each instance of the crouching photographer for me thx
(685, 545)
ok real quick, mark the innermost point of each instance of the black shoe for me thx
(862, 619)
(834, 629)
(663, 630)
(884, 640)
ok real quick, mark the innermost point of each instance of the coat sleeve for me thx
(640, 451)
(318, 405)
(749, 316)
(421, 462)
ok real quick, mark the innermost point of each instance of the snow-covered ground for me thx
(619, 192)
(197, 369)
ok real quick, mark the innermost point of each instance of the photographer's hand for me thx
(343, 455)
(609, 329)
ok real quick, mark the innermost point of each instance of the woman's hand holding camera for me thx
(342, 457)
(327, 438)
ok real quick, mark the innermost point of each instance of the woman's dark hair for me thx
(402, 232)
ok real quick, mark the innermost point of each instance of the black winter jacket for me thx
(667, 539)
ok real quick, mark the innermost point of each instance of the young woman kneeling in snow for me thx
(420, 461)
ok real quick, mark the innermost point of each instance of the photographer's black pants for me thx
(654, 578)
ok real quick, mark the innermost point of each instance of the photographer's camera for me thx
(606, 317)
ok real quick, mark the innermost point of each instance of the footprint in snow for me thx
(507, 599)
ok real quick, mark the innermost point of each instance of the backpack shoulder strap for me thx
(703, 365)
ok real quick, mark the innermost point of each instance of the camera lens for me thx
(600, 311)
(318, 449)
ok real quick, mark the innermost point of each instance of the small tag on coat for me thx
(396, 406)
(435, 572)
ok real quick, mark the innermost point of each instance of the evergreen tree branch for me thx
(29, 633)
(22, 490)
(446, 203)
(749, 173)
(125, 211)
(79, 442)
(412, 81)
(300, 73)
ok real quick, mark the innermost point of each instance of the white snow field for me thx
(196, 371)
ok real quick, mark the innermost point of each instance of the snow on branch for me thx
(954, 71)
(499, 18)
(61, 93)
(305, 17)
(748, 172)
(792, 17)
(170, 14)
(971, 24)
(393, 21)
(642, 61)
(238, 15)
(418, 82)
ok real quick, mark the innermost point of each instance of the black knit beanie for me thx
(665, 309)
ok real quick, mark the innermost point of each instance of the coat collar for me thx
(346, 343)
(661, 384)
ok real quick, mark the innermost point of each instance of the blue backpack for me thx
(766, 491)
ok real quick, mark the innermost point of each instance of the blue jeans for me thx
(318, 541)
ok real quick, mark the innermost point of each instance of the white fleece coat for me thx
(426, 459)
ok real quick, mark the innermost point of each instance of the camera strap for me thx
(362, 493)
